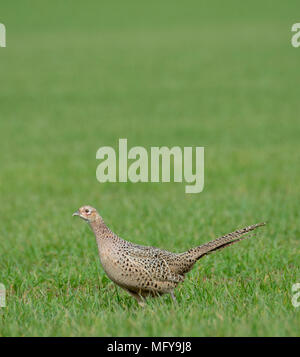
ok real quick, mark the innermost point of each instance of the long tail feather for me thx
(222, 242)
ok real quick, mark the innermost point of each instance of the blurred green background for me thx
(78, 75)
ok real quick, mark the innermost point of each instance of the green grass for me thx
(79, 75)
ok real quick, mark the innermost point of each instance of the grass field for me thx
(79, 75)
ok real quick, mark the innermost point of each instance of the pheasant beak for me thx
(76, 214)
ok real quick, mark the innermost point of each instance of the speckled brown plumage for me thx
(148, 271)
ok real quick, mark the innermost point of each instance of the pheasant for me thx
(145, 271)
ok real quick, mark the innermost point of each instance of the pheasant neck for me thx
(100, 229)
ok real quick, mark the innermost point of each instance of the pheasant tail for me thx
(222, 242)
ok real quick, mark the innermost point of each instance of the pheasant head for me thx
(88, 213)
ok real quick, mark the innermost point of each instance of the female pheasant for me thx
(148, 271)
